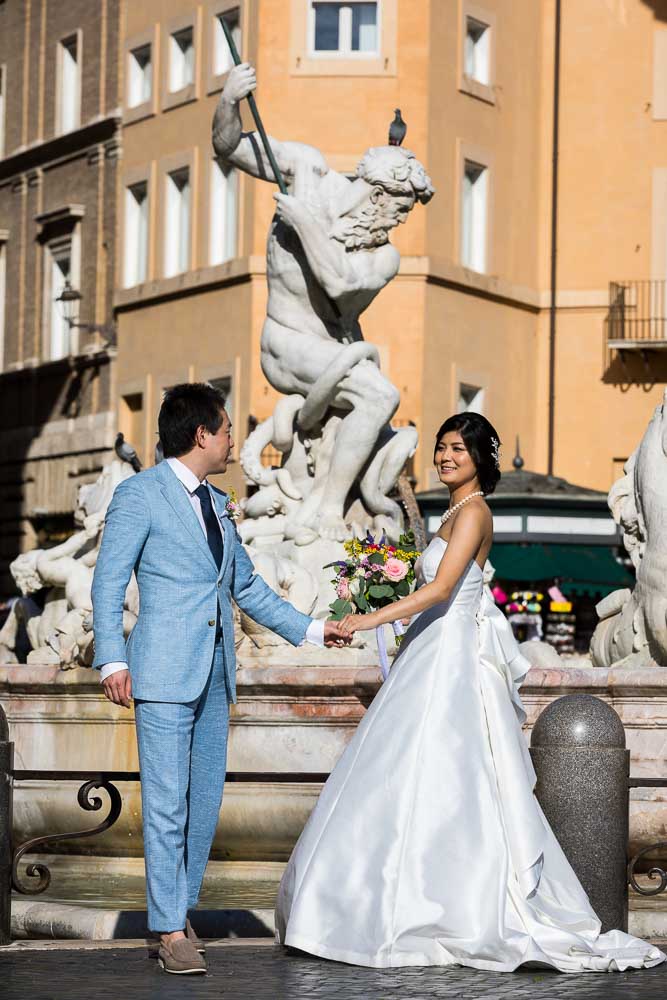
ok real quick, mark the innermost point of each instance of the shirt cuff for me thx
(111, 668)
(315, 632)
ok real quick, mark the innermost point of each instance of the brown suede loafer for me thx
(193, 938)
(181, 958)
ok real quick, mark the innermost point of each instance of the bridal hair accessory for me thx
(495, 451)
(452, 510)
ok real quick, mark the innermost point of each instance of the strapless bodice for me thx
(468, 591)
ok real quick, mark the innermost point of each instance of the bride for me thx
(427, 845)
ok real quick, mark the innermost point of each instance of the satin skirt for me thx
(427, 845)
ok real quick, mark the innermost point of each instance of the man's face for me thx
(219, 446)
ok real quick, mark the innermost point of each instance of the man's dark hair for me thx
(185, 408)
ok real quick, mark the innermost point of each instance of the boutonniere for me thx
(232, 507)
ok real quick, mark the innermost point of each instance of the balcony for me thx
(637, 318)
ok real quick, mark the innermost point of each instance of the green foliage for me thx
(340, 608)
(376, 559)
(380, 590)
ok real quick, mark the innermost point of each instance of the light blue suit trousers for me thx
(182, 756)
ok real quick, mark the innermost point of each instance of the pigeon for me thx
(397, 129)
(126, 452)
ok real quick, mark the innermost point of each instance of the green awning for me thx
(580, 569)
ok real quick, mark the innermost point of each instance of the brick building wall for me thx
(58, 169)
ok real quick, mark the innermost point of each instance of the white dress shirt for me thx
(315, 631)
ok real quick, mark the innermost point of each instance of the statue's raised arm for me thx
(244, 150)
(329, 255)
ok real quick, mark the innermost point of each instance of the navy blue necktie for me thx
(213, 529)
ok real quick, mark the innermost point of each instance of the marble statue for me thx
(328, 256)
(60, 631)
(633, 623)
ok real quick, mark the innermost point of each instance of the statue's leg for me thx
(381, 476)
(372, 401)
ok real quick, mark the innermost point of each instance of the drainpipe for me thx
(554, 242)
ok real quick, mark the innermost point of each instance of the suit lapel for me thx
(176, 495)
(228, 539)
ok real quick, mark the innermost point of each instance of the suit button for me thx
(211, 621)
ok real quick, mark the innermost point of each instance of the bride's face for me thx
(453, 461)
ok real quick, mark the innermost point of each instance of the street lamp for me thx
(69, 300)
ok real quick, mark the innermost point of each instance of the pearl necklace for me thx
(452, 510)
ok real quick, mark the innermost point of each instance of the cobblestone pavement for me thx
(256, 972)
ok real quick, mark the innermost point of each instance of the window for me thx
(3, 285)
(344, 28)
(177, 227)
(225, 385)
(58, 271)
(136, 233)
(471, 398)
(181, 59)
(223, 219)
(69, 85)
(477, 61)
(473, 216)
(3, 90)
(140, 76)
(131, 420)
(222, 57)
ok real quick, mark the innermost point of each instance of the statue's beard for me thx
(368, 227)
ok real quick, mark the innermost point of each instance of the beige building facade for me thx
(468, 320)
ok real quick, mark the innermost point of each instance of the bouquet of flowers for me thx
(373, 575)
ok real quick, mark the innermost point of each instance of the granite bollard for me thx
(578, 751)
(6, 767)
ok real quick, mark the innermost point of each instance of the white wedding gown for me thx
(427, 845)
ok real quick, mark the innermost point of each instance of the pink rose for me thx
(394, 570)
(343, 590)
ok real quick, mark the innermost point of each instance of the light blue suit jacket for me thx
(152, 529)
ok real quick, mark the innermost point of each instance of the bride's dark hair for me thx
(481, 439)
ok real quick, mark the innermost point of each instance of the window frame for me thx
(190, 92)
(60, 45)
(52, 248)
(142, 174)
(170, 165)
(136, 280)
(344, 53)
(467, 153)
(468, 84)
(213, 166)
(306, 61)
(151, 36)
(214, 8)
(226, 370)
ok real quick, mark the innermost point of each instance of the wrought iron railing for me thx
(638, 312)
(107, 781)
(655, 871)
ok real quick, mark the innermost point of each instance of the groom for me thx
(172, 528)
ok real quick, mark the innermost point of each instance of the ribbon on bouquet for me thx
(382, 646)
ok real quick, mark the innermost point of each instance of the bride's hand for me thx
(354, 623)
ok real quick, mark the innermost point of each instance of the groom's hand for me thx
(118, 688)
(334, 635)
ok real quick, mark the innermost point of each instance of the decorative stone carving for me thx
(328, 256)
(61, 631)
(633, 624)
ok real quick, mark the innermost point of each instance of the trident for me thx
(280, 180)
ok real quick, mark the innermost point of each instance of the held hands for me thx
(118, 688)
(334, 635)
(356, 623)
(242, 80)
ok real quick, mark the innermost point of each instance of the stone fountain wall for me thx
(290, 719)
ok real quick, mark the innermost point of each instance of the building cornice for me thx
(60, 147)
